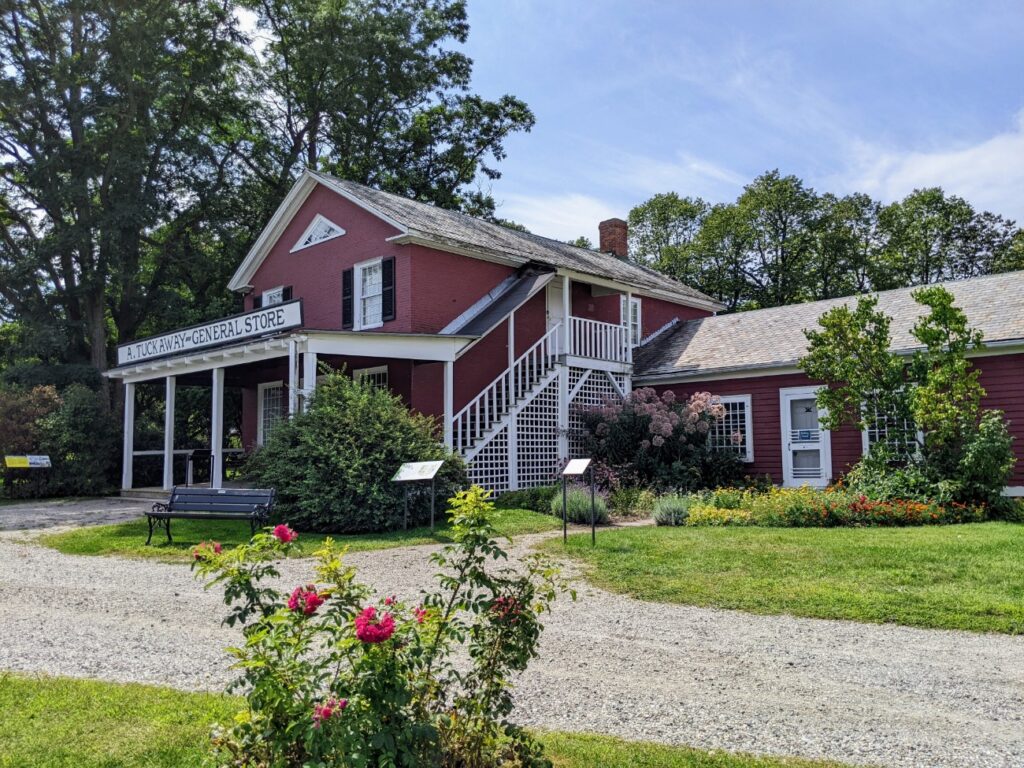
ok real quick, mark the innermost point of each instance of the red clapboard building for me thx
(500, 334)
(503, 336)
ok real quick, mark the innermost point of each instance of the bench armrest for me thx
(159, 507)
(261, 512)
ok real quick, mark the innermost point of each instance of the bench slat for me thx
(197, 507)
(203, 515)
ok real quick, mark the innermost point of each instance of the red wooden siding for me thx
(1001, 376)
(444, 285)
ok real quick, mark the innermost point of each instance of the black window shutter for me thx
(286, 293)
(387, 298)
(257, 301)
(346, 298)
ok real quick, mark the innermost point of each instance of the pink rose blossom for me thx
(305, 599)
(373, 629)
(205, 547)
(327, 710)
(420, 613)
(391, 600)
(284, 534)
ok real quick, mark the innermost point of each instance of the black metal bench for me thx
(252, 504)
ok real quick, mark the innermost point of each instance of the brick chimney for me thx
(613, 238)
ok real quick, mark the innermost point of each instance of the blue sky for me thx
(634, 98)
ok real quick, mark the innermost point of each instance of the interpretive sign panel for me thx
(417, 470)
(259, 322)
(27, 462)
(576, 467)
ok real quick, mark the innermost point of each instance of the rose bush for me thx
(332, 677)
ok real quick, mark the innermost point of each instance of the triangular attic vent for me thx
(320, 229)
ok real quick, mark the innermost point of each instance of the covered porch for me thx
(274, 377)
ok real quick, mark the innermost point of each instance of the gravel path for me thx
(30, 515)
(881, 695)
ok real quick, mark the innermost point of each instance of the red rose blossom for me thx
(305, 599)
(327, 710)
(284, 534)
(421, 614)
(207, 546)
(373, 629)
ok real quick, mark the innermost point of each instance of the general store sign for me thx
(259, 322)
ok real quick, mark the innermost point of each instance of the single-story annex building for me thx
(504, 336)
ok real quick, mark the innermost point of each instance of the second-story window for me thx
(370, 293)
(631, 318)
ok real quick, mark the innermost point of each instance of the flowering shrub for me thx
(333, 677)
(810, 507)
(652, 440)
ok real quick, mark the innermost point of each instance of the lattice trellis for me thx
(489, 468)
(596, 389)
(537, 439)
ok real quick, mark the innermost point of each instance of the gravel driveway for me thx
(50, 514)
(881, 695)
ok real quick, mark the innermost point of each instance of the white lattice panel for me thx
(489, 468)
(537, 436)
(597, 389)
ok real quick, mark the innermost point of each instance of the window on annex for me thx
(631, 318)
(272, 407)
(735, 432)
(377, 376)
(896, 431)
(273, 296)
(370, 283)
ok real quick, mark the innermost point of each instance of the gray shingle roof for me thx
(459, 229)
(768, 338)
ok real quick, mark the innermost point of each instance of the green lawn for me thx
(63, 723)
(952, 577)
(129, 539)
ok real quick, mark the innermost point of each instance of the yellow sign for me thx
(16, 462)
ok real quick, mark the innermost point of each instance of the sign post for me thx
(576, 468)
(418, 472)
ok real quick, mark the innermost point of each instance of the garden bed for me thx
(949, 577)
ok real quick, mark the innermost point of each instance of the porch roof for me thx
(412, 346)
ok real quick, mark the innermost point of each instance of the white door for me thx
(806, 447)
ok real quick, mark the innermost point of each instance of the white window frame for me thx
(317, 221)
(635, 331)
(260, 389)
(365, 373)
(748, 423)
(357, 294)
(267, 294)
(865, 441)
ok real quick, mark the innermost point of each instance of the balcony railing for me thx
(601, 341)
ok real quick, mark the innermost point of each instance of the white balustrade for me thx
(600, 341)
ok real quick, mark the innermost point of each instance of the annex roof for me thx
(774, 338)
(430, 225)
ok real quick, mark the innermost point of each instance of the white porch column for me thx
(566, 314)
(217, 429)
(169, 433)
(308, 374)
(128, 455)
(513, 431)
(293, 377)
(449, 403)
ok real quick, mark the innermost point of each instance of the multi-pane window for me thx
(319, 230)
(271, 409)
(273, 296)
(896, 431)
(734, 432)
(631, 318)
(377, 376)
(371, 290)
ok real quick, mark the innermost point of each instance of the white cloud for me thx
(989, 174)
(562, 216)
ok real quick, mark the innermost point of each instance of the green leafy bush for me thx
(706, 514)
(672, 509)
(335, 676)
(332, 464)
(631, 501)
(578, 506)
(74, 428)
(536, 499)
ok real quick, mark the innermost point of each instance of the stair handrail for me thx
(506, 389)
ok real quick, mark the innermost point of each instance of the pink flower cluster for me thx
(205, 548)
(284, 534)
(327, 710)
(371, 628)
(305, 599)
(420, 613)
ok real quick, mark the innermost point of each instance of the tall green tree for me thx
(117, 136)
(371, 91)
